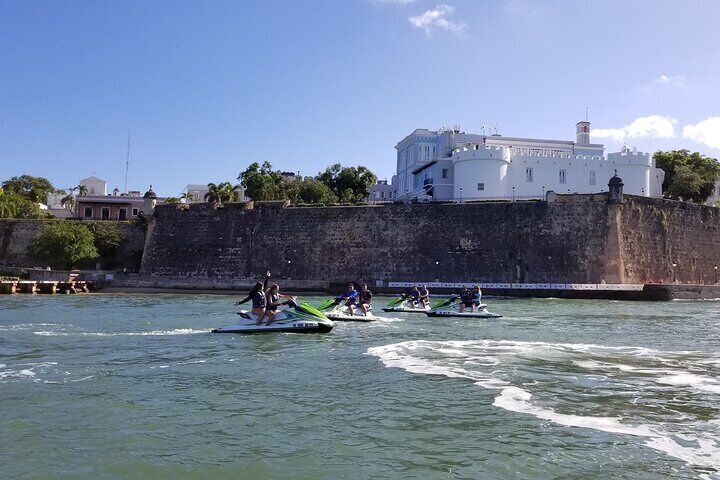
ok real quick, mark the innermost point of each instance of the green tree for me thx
(21, 207)
(314, 191)
(34, 189)
(106, 237)
(688, 176)
(7, 207)
(349, 184)
(64, 244)
(261, 182)
(172, 200)
(222, 192)
(188, 197)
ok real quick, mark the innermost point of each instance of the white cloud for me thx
(672, 80)
(706, 131)
(435, 19)
(652, 126)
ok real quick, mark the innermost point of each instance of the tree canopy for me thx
(34, 189)
(222, 192)
(336, 183)
(349, 184)
(688, 176)
(64, 244)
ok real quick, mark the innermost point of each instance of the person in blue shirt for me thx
(350, 297)
(415, 296)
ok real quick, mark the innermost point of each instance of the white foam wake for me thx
(154, 333)
(499, 365)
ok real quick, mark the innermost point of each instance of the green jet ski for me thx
(303, 318)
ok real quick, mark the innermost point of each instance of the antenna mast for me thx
(127, 161)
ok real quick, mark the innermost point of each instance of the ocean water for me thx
(135, 386)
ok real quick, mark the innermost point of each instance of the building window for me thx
(122, 214)
(105, 213)
(528, 174)
(444, 172)
(563, 176)
(592, 178)
(88, 212)
(481, 187)
(135, 211)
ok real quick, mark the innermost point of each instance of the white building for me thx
(197, 191)
(94, 185)
(382, 191)
(454, 165)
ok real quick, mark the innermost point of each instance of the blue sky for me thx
(208, 87)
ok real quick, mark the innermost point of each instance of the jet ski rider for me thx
(364, 298)
(258, 296)
(424, 296)
(273, 301)
(471, 299)
(415, 296)
(350, 298)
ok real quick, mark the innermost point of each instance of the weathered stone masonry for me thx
(531, 242)
(16, 235)
(573, 239)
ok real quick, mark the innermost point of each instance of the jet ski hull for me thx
(298, 320)
(457, 314)
(406, 309)
(295, 327)
(344, 317)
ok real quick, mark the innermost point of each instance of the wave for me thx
(513, 368)
(23, 370)
(155, 333)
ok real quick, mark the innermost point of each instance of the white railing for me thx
(527, 286)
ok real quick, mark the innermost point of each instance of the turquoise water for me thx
(134, 386)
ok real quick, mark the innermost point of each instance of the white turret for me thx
(150, 198)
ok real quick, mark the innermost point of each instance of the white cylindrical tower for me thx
(480, 173)
(583, 133)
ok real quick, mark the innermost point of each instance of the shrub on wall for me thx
(64, 244)
(107, 239)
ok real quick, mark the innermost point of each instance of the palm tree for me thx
(188, 197)
(68, 201)
(172, 200)
(82, 190)
(214, 193)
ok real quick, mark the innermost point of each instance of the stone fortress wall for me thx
(569, 239)
(16, 235)
(573, 239)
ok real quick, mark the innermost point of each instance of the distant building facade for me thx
(197, 191)
(96, 204)
(454, 165)
(382, 191)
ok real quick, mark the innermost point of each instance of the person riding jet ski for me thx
(415, 295)
(471, 299)
(424, 296)
(258, 295)
(350, 298)
(364, 298)
(273, 301)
